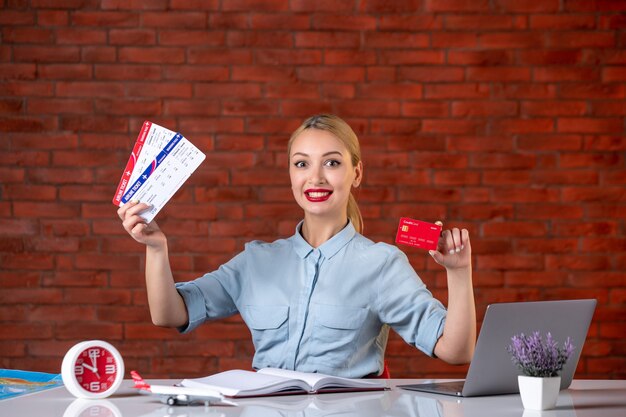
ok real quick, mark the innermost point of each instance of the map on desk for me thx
(14, 382)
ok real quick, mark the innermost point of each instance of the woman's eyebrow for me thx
(326, 154)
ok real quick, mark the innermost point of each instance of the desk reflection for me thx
(92, 408)
(337, 405)
(359, 404)
(356, 404)
(496, 405)
(395, 403)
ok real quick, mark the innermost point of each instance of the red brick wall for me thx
(502, 116)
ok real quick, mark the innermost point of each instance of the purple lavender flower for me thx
(534, 357)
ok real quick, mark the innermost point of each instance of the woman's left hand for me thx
(453, 249)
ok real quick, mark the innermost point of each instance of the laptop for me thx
(491, 371)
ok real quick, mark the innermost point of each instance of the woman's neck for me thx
(316, 231)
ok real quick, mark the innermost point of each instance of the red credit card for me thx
(417, 233)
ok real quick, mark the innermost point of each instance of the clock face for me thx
(95, 369)
(92, 369)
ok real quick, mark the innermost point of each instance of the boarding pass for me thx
(151, 139)
(165, 161)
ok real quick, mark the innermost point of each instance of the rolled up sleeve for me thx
(212, 296)
(194, 301)
(408, 306)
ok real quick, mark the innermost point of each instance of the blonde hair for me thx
(342, 131)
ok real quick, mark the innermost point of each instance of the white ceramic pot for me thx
(539, 393)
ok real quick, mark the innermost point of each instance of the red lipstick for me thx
(317, 195)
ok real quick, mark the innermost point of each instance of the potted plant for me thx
(541, 362)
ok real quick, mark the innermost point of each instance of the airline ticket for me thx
(151, 139)
(157, 177)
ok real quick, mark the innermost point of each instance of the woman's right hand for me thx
(147, 233)
(167, 307)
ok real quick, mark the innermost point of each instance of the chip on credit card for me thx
(418, 234)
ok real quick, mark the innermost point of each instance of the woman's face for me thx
(322, 174)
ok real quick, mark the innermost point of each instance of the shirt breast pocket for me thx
(269, 326)
(335, 333)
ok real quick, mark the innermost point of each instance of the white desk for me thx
(597, 398)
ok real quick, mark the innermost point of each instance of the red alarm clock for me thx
(92, 369)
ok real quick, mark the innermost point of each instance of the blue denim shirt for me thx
(325, 309)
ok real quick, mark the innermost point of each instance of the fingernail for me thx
(451, 251)
(134, 201)
(431, 252)
(458, 250)
(462, 246)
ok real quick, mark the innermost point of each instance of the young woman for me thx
(323, 299)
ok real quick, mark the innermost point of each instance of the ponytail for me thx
(354, 214)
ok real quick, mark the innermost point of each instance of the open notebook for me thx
(270, 381)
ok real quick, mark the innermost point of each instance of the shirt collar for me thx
(329, 248)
